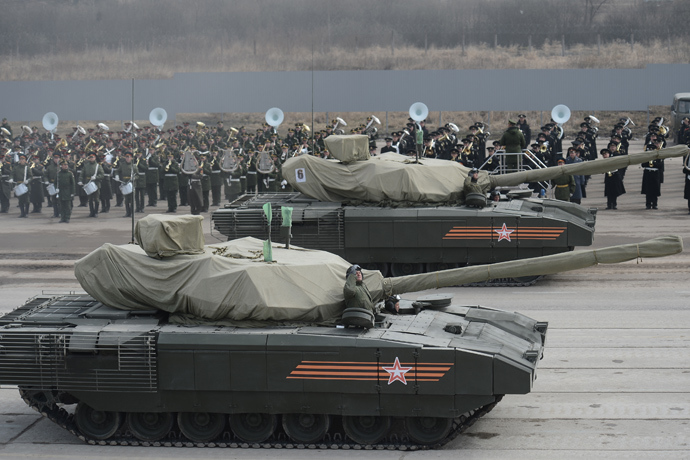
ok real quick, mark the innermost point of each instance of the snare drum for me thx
(126, 189)
(52, 191)
(20, 190)
(90, 187)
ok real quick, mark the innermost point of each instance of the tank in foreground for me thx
(147, 359)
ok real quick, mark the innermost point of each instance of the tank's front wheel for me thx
(306, 428)
(201, 426)
(253, 427)
(96, 424)
(150, 426)
(428, 430)
(366, 429)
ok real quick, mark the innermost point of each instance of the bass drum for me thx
(126, 189)
(20, 190)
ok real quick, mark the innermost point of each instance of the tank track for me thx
(58, 415)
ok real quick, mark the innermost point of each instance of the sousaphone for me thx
(50, 123)
(560, 114)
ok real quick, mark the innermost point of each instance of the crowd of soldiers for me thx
(136, 167)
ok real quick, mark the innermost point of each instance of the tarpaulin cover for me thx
(164, 236)
(397, 178)
(354, 147)
(301, 285)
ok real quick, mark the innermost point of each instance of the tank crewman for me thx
(652, 177)
(392, 304)
(152, 166)
(66, 187)
(37, 172)
(356, 293)
(205, 181)
(21, 174)
(172, 185)
(564, 186)
(513, 142)
(216, 178)
(106, 191)
(125, 170)
(140, 169)
(613, 184)
(471, 184)
(5, 185)
(91, 171)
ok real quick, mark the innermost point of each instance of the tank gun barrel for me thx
(657, 247)
(587, 167)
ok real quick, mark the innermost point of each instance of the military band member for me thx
(5, 184)
(171, 173)
(21, 174)
(152, 166)
(205, 180)
(106, 191)
(51, 172)
(216, 178)
(613, 184)
(652, 177)
(37, 172)
(125, 171)
(91, 171)
(66, 187)
(140, 169)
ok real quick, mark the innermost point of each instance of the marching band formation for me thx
(137, 166)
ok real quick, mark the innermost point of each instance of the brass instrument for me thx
(543, 148)
(88, 145)
(467, 149)
(167, 167)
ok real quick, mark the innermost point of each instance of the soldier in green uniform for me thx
(205, 180)
(91, 171)
(356, 293)
(171, 172)
(125, 170)
(66, 187)
(216, 178)
(152, 166)
(514, 141)
(37, 197)
(140, 168)
(51, 172)
(5, 186)
(564, 186)
(21, 174)
(106, 190)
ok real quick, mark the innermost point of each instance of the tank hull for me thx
(405, 240)
(75, 350)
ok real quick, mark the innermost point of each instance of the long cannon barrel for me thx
(587, 167)
(657, 247)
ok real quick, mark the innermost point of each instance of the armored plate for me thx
(436, 300)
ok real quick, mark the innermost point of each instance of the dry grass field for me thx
(166, 59)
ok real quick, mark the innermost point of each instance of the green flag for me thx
(268, 251)
(286, 212)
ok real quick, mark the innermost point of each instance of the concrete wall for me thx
(347, 91)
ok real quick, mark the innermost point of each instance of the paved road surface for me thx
(614, 383)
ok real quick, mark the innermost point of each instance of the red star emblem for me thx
(504, 233)
(397, 372)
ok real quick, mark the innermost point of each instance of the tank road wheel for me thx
(150, 426)
(306, 428)
(200, 426)
(96, 424)
(428, 430)
(366, 429)
(253, 427)
(403, 269)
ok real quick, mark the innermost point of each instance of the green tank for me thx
(176, 363)
(399, 217)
